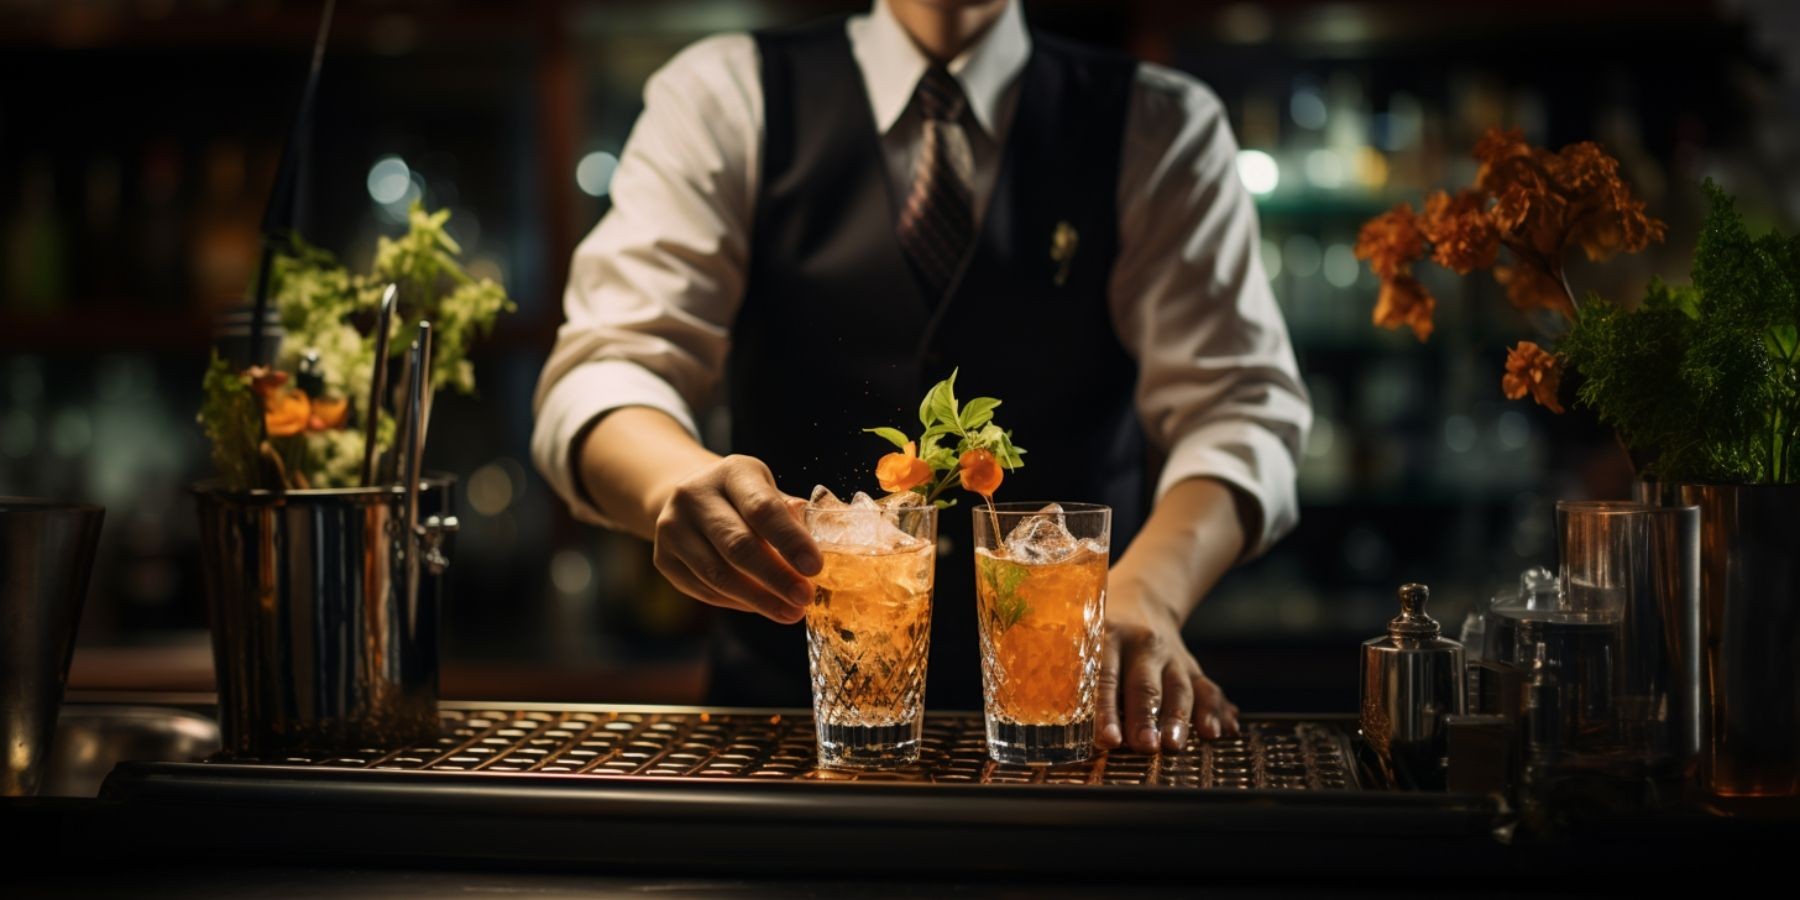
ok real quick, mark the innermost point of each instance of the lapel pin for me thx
(1062, 250)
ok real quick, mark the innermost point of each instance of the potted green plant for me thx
(1701, 383)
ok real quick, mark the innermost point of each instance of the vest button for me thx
(945, 546)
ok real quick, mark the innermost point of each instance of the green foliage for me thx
(326, 309)
(1703, 381)
(971, 424)
(1002, 579)
(228, 415)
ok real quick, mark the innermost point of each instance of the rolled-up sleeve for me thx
(1218, 391)
(653, 289)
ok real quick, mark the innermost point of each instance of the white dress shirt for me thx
(654, 289)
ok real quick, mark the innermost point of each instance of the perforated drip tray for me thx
(741, 790)
(1280, 754)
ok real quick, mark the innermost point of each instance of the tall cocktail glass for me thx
(1040, 584)
(868, 630)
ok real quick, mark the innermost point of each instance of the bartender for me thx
(821, 222)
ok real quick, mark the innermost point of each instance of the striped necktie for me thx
(936, 224)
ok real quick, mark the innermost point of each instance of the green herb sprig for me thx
(1003, 579)
(972, 426)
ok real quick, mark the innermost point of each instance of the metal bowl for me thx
(91, 739)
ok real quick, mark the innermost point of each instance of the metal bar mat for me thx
(1281, 754)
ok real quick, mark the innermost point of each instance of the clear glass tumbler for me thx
(868, 631)
(1040, 586)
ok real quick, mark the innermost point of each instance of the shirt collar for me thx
(892, 64)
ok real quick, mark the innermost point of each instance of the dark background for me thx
(138, 139)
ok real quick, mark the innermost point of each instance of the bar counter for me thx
(560, 797)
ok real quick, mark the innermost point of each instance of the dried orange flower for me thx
(1536, 204)
(980, 472)
(1391, 242)
(1462, 237)
(902, 471)
(1529, 287)
(1404, 302)
(286, 412)
(1531, 369)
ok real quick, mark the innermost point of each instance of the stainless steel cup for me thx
(1750, 638)
(325, 615)
(46, 554)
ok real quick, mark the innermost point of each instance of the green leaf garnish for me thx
(1003, 579)
(892, 435)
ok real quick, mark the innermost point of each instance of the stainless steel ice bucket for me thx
(325, 615)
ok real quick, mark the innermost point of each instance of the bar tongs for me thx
(426, 546)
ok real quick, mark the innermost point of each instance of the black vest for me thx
(835, 333)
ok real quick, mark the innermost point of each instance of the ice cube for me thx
(1042, 538)
(832, 521)
(862, 523)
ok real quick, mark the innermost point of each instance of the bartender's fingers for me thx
(1230, 717)
(1143, 695)
(1110, 734)
(1178, 705)
(741, 548)
(1210, 708)
(695, 568)
(751, 489)
(689, 584)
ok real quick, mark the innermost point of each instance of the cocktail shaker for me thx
(1412, 678)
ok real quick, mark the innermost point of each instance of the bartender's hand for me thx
(727, 536)
(724, 533)
(1153, 693)
(1152, 690)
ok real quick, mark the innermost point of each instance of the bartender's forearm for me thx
(631, 460)
(1193, 536)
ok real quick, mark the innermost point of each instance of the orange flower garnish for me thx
(902, 471)
(289, 411)
(1531, 369)
(286, 412)
(328, 413)
(980, 472)
(264, 381)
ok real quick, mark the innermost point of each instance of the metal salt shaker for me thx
(1412, 678)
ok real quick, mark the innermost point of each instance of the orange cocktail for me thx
(1041, 600)
(868, 630)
